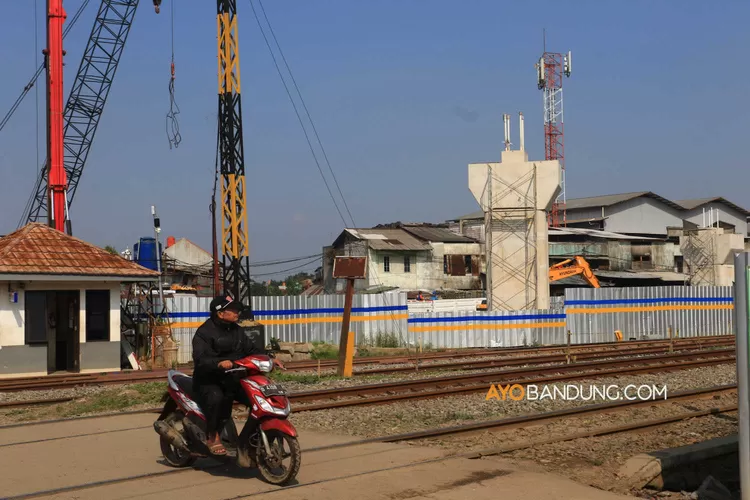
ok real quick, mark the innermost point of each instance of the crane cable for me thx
(173, 127)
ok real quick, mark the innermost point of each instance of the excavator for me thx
(573, 267)
(565, 269)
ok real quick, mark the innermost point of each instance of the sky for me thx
(404, 94)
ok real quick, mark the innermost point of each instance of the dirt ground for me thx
(70, 454)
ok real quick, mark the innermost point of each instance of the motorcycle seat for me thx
(185, 383)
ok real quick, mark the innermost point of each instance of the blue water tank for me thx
(144, 253)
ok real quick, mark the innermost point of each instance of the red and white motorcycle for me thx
(267, 439)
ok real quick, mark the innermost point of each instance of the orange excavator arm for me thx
(568, 268)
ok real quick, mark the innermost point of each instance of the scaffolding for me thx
(511, 240)
(699, 254)
(147, 325)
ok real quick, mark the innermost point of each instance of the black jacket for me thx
(215, 341)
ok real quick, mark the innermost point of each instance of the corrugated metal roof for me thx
(437, 234)
(698, 202)
(646, 275)
(595, 233)
(389, 239)
(613, 199)
(39, 249)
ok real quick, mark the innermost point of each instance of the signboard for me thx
(350, 267)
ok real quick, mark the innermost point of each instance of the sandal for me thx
(217, 449)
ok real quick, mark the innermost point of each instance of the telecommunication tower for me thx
(550, 71)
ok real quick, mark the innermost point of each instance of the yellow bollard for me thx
(349, 360)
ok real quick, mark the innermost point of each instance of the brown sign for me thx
(350, 267)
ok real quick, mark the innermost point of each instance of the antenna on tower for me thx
(506, 123)
(551, 68)
(520, 125)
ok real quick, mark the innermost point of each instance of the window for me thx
(467, 264)
(97, 315)
(407, 264)
(36, 317)
(387, 264)
(445, 264)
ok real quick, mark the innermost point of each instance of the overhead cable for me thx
(40, 69)
(296, 111)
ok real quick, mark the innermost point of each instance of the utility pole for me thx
(157, 230)
(742, 333)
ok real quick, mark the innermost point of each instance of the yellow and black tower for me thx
(235, 244)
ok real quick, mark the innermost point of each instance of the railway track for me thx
(514, 359)
(475, 382)
(513, 351)
(437, 387)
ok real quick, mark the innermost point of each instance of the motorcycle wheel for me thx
(175, 456)
(272, 468)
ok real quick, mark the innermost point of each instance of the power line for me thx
(312, 123)
(286, 270)
(296, 111)
(40, 69)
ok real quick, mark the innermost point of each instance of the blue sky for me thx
(404, 95)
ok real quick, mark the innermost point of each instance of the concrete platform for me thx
(682, 468)
(76, 453)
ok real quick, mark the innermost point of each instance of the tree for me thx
(112, 250)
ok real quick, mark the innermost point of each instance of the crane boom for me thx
(57, 185)
(87, 98)
(235, 244)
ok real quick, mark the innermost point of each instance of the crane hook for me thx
(157, 3)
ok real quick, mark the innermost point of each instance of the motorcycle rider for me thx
(217, 343)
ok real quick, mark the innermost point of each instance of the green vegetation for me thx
(321, 350)
(109, 400)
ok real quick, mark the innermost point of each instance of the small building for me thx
(721, 212)
(60, 306)
(640, 213)
(188, 267)
(408, 257)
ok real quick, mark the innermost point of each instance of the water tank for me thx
(144, 253)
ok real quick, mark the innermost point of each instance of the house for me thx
(60, 306)
(641, 238)
(409, 257)
(187, 267)
(722, 212)
(640, 213)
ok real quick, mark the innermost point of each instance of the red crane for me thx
(57, 186)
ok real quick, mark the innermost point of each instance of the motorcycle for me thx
(261, 443)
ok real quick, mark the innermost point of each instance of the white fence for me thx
(488, 328)
(591, 315)
(454, 306)
(300, 319)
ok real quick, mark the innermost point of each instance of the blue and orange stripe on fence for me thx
(487, 322)
(632, 305)
(394, 314)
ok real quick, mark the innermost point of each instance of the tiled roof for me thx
(39, 249)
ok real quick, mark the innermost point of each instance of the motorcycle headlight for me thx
(264, 366)
(268, 407)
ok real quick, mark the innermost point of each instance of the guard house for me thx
(60, 303)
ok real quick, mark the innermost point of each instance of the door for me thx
(67, 330)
